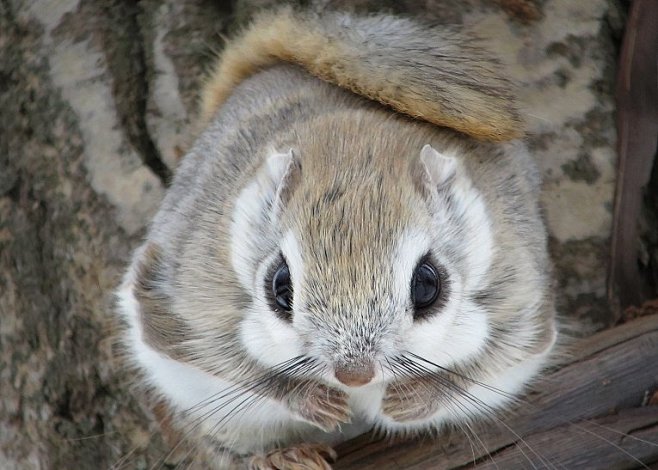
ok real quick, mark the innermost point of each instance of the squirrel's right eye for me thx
(425, 287)
(282, 288)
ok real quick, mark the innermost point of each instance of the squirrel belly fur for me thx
(353, 242)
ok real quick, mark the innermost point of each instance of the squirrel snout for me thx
(355, 375)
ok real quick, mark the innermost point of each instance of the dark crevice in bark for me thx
(123, 42)
(6, 11)
(648, 259)
(615, 20)
(639, 429)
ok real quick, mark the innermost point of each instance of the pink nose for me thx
(354, 376)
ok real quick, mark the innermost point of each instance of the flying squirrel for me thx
(354, 241)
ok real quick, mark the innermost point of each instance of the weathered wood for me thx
(612, 442)
(637, 124)
(575, 417)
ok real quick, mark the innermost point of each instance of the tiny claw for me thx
(298, 457)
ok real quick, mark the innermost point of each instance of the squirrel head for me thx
(363, 252)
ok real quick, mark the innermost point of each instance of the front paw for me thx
(410, 400)
(320, 405)
(299, 457)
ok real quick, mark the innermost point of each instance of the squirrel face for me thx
(355, 265)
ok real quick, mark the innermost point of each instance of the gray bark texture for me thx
(96, 101)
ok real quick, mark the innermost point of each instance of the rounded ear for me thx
(288, 171)
(439, 169)
(271, 174)
(273, 184)
(278, 165)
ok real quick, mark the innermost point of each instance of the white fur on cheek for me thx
(254, 210)
(248, 216)
(268, 338)
(466, 204)
(478, 233)
(454, 335)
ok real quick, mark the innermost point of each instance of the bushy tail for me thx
(432, 73)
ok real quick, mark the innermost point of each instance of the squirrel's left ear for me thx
(277, 165)
(439, 169)
(284, 170)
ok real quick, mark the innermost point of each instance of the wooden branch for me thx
(587, 414)
(637, 127)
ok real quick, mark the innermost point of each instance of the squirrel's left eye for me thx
(425, 286)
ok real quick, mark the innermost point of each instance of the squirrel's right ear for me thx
(438, 168)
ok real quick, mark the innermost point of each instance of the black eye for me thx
(282, 288)
(425, 285)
